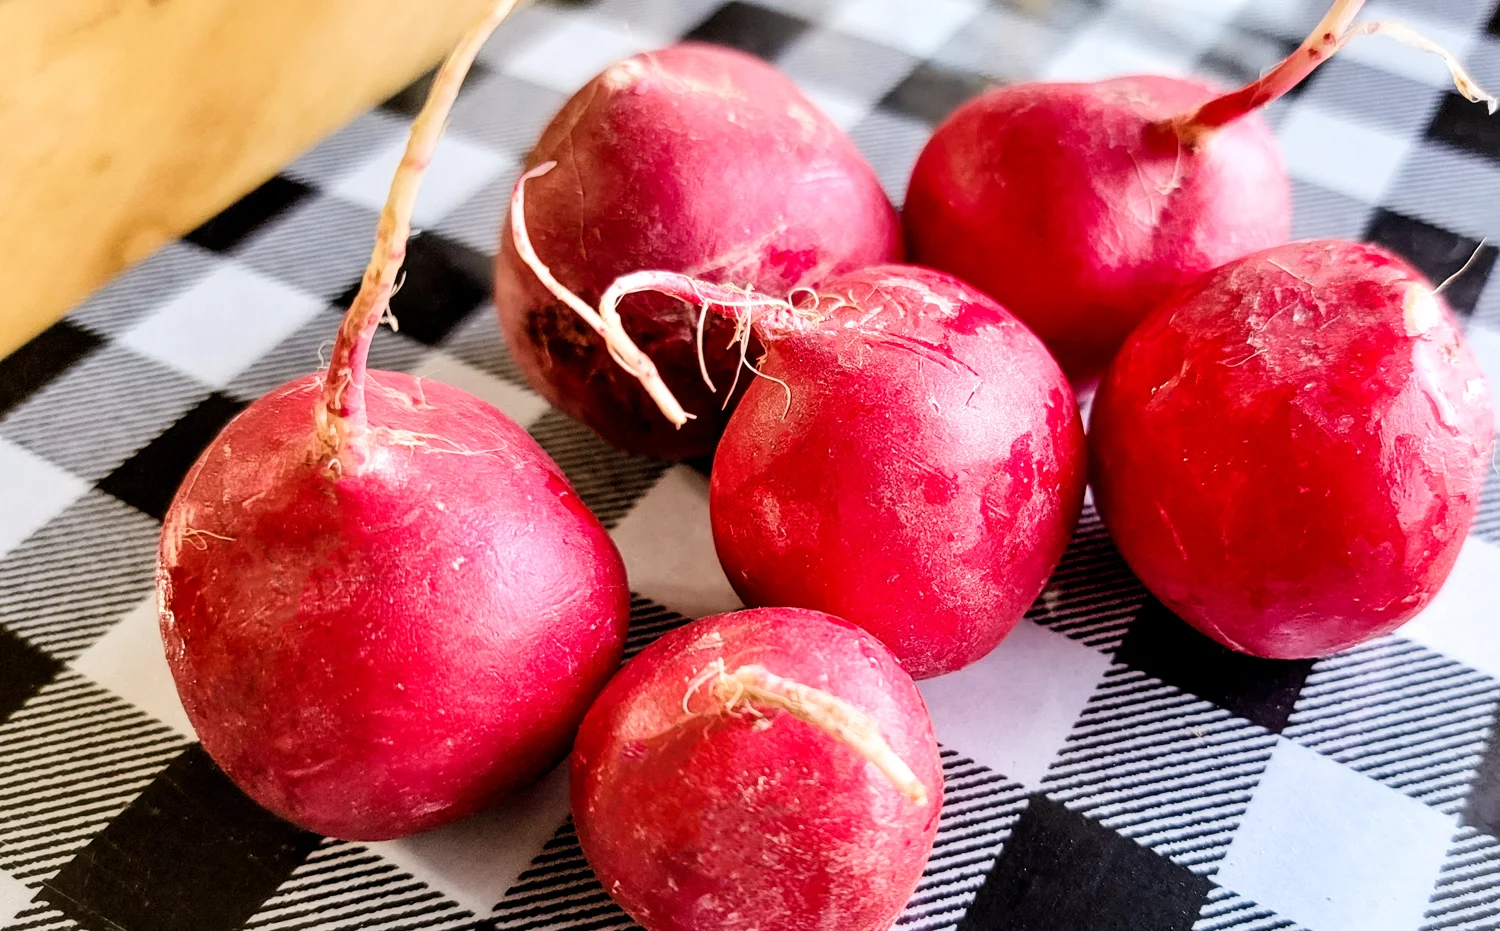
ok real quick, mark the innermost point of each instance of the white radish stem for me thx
(743, 305)
(342, 419)
(1330, 35)
(621, 347)
(755, 685)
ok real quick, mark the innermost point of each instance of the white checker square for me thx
(476, 860)
(1463, 621)
(567, 56)
(1333, 850)
(1107, 50)
(915, 28)
(676, 568)
(32, 492)
(458, 169)
(1485, 342)
(14, 896)
(1013, 710)
(1351, 158)
(844, 110)
(1395, 57)
(519, 404)
(220, 326)
(1219, 11)
(131, 663)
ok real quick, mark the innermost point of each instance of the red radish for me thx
(771, 768)
(695, 159)
(1290, 453)
(913, 459)
(1081, 206)
(382, 603)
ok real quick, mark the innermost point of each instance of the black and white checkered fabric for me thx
(1107, 768)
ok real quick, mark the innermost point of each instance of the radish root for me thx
(621, 347)
(747, 307)
(1327, 38)
(342, 420)
(754, 685)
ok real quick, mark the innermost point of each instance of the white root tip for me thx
(1406, 35)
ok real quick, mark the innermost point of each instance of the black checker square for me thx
(749, 28)
(1162, 645)
(1437, 253)
(24, 670)
(1467, 126)
(29, 369)
(235, 223)
(148, 480)
(191, 853)
(931, 92)
(1061, 871)
(407, 102)
(1482, 810)
(442, 281)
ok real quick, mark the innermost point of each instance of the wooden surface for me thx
(128, 122)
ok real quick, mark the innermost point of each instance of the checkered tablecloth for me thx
(1107, 768)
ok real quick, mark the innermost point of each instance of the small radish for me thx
(1081, 206)
(382, 603)
(771, 768)
(912, 461)
(696, 159)
(1290, 453)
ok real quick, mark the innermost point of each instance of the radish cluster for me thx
(385, 607)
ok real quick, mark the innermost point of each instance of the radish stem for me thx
(756, 685)
(343, 423)
(1330, 35)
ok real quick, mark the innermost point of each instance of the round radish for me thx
(912, 459)
(382, 603)
(1081, 206)
(695, 159)
(1290, 453)
(771, 768)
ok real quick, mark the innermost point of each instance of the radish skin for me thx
(770, 768)
(693, 159)
(383, 605)
(1291, 452)
(1080, 207)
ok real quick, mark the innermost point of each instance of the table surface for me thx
(1107, 768)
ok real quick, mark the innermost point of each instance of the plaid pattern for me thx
(1107, 768)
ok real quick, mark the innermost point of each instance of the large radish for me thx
(770, 768)
(383, 604)
(1081, 206)
(1290, 453)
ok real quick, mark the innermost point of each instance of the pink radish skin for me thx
(1290, 453)
(694, 159)
(1080, 207)
(924, 480)
(383, 605)
(702, 803)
